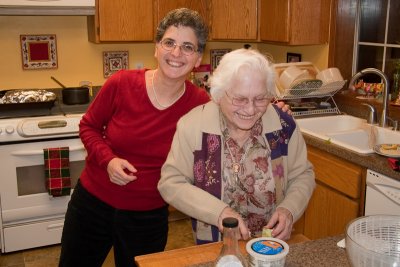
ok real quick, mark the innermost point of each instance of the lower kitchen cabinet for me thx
(338, 197)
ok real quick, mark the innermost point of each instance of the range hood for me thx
(47, 7)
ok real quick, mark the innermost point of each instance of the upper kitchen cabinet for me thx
(121, 21)
(295, 22)
(342, 30)
(164, 6)
(233, 19)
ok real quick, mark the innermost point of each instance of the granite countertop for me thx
(321, 252)
(314, 253)
(373, 161)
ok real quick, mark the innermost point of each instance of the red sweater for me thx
(122, 122)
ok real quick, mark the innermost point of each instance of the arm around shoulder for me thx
(176, 185)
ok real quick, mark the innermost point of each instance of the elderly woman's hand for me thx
(281, 222)
(228, 212)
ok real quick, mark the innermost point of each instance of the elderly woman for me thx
(239, 156)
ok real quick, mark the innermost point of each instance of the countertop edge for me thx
(372, 161)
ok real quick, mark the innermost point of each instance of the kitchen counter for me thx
(372, 161)
(321, 252)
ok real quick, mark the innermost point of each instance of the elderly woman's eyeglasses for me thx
(186, 48)
(243, 101)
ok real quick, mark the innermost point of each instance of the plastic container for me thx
(267, 252)
(373, 241)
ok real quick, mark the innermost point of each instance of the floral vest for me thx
(207, 170)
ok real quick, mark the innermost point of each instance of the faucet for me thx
(372, 118)
(384, 115)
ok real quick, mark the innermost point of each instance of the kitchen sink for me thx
(348, 132)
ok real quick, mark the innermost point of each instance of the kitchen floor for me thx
(180, 235)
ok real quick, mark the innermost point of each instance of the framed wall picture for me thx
(39, 51)
(201, 75)
(216, 55)
(114, 61)
(293, 57)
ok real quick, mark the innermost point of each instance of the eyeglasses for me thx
(186, 48)
(243, 101)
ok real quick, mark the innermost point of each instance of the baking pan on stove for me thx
(26, 105)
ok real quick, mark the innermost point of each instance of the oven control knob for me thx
(9, 129)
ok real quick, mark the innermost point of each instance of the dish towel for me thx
(394, 164)
(56, 168)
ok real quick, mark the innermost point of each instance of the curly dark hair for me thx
(187, 18)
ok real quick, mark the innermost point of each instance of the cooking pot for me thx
(75, 95)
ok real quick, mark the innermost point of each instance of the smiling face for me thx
(250, 85)
(174, 64)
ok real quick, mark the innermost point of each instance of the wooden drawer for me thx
(335, 172)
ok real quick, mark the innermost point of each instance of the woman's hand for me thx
(228, 212)
(281, 224)
(283, 106)
(120, 171)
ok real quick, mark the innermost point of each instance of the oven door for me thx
(25, 201)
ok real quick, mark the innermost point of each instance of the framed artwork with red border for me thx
(114, 61)
(39, 51)
(216, 55)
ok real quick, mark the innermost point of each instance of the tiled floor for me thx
(180, 235)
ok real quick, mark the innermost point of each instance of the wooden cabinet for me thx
(295, 22)
(233, 19)
(164, 6)
(342, 31)
(291, 22)
(338, 197)
(121, 20)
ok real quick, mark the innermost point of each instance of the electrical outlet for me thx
(139, 65)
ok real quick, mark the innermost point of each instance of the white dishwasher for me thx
(382, 195)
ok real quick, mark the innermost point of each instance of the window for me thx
(377, 42)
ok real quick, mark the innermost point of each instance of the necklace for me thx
(238, 167)
(155, 94)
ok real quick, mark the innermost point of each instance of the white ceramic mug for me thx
(329, 75)
(289, 75)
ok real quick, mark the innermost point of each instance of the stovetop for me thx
(19, 124)
(59, 108)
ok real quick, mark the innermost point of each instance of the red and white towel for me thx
(56, 168)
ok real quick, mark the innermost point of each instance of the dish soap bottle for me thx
(230, 255)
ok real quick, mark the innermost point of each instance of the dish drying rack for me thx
(324, 92)
(309, 88)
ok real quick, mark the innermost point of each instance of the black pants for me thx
(92, 227)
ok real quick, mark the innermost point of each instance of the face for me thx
(174, 63)
(248, 85)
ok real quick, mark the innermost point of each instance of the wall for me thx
(80, 60)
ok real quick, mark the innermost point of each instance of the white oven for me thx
(29, 216)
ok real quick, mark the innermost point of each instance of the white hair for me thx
(229, 66)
